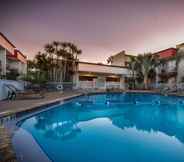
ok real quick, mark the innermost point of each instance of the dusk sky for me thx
(99, 27)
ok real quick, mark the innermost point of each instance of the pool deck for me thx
(22, 105)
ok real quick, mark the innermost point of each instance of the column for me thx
(3, 61)
(122, 82)
(76, 81)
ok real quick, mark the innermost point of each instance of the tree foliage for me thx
(143, 67)
(57, 62)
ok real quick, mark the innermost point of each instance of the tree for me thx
(147, 63)
(49, 50)
(110, 60)
(132, 64)
(38, 69)
(70, 60)
(58, 60)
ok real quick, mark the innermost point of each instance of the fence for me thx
(99, 85)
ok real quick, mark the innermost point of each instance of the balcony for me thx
(167, 72)
(98, 85)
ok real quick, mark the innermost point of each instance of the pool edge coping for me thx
(37, 106)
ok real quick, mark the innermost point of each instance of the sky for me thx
(99, 27)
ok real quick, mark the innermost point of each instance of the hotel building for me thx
(103, 76)
(11, 59)
(167, 71)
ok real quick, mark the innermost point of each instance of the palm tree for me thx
(48, 48)
(30, 64)
(75, 52)
(58, 59)
(70, 57)
(38, 69)
(147, 62)
(57, 53)
(110, 59)
(132, 64)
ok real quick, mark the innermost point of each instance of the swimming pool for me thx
(109, 128)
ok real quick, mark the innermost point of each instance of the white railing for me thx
(99, 85)
(111, 85)
(86, 84)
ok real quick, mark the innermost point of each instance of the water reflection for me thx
(64, 123)
(57, 124)
(167, 119)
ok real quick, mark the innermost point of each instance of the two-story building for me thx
(100, 76)
(180, 63)
(119, 59)
(167, 71)
(11, 59)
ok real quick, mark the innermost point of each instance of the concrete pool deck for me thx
(11, 107)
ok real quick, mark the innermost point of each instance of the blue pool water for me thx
(111, 128)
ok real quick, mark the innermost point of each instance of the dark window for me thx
(111, 79)
(86, 78)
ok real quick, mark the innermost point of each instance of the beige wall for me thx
(3, 61)
(180, 72)
(7, 47)
(19, 66)
(120, 60)
(103, 69)
(100, 72)
(100, 83)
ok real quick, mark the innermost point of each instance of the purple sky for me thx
(99, 27)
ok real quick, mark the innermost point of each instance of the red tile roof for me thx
(16, 55)
(167, 53)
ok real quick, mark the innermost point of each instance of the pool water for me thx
(111, 128)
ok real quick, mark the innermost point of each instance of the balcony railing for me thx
(111, 85)
(99, 85)
(167, 70)
(86, 84)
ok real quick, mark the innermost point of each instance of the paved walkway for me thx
(10, 107)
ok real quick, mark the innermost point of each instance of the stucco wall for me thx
(180, 70)
(103, 69)
(119, 60)
(21, 67)
(3, 61)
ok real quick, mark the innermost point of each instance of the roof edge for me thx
(7, 40)
(165, 50)
(91, 63)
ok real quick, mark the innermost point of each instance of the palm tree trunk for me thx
(64, 70)
(133, 76)
(146, 81)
